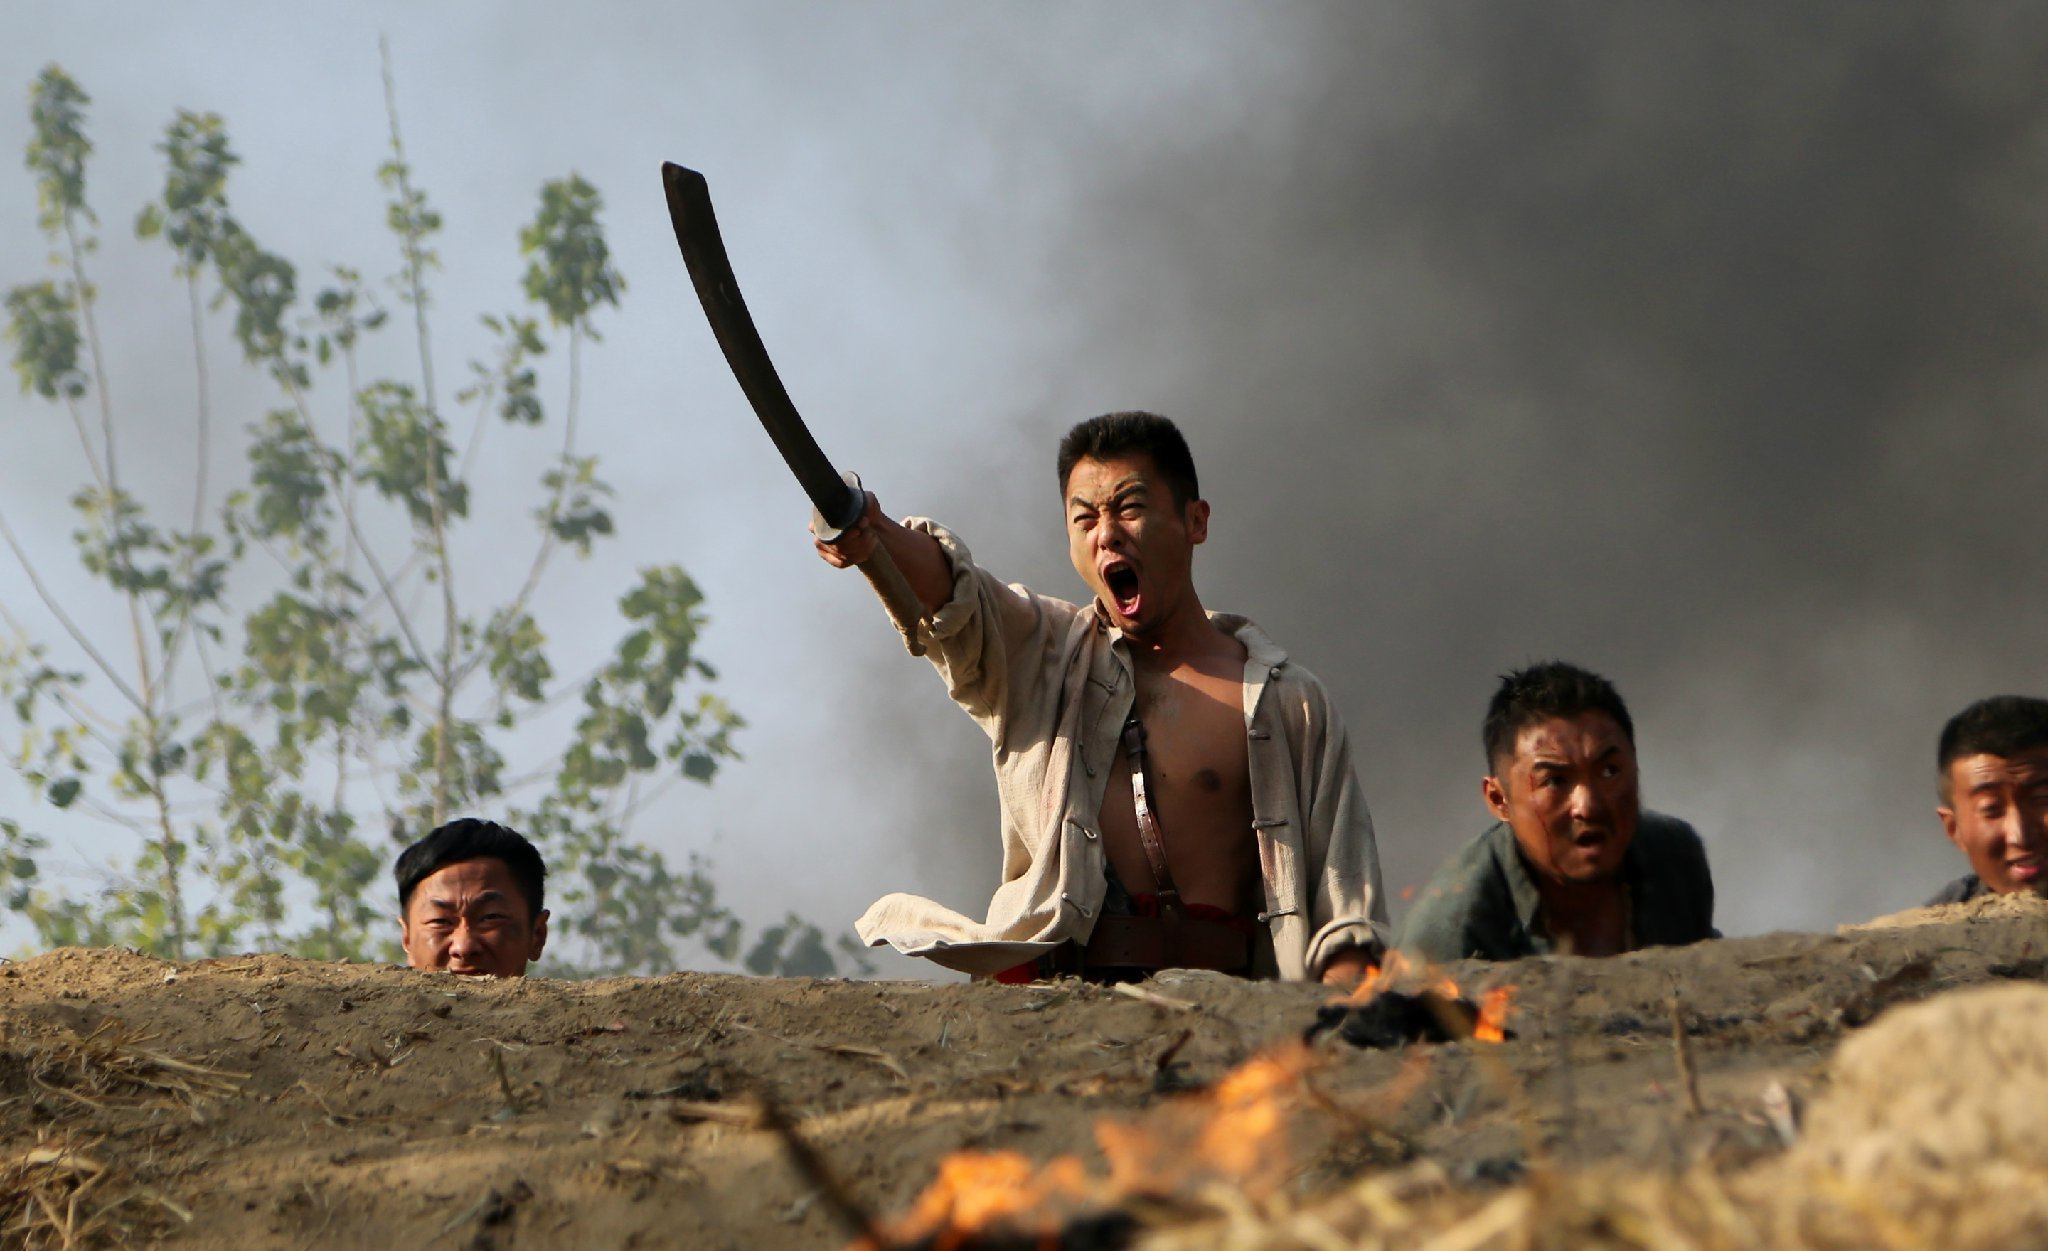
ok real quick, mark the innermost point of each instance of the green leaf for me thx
(569, 270)
(407, 453)
(58, 148)
(635, 648)
(62, 792)
(42, 323)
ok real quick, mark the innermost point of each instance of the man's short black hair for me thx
(2003, 725)
(1120, 434)
(1541, 692)
(468, 838)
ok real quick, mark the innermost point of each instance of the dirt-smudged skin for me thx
(332, 1105)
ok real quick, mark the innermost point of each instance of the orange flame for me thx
(1377, 978)
(1492, 1025)
(1235, 1132)
(977, 1190)
(1398, 970)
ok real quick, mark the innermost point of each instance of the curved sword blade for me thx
(689, 211)
(839, 501)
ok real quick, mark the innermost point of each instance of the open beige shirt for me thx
(1051, 685)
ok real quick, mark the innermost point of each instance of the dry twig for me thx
(109, 1069)
(831, 1190)
(59, 1198)
(1681, 1052)
(1153, 997)
(859, 1052)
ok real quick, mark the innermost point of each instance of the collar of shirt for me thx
(1528, 899)
(1260, 651)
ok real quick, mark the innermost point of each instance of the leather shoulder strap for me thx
(1148, 824)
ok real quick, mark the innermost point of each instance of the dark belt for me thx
(1124, 945)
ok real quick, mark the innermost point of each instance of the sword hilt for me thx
(905, 608)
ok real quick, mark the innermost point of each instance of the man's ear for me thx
(540, 936)
(1496, 796)
(1197, 519)
(1948, 825)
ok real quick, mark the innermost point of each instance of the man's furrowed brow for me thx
(1117, 494)
(435, 902)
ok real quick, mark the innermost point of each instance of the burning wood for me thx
(1492, 1025)
(1381, 1014)
(1234, 1134)
(989, 1199)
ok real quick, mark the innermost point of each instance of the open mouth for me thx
(1121, 581)
(2027, 869)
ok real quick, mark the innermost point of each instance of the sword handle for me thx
(905, 608)
(902, 602)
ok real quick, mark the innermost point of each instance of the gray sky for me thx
(1698, 345)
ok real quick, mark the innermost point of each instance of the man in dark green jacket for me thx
(1572, 864)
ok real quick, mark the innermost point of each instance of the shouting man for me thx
(1572, 864)
(469, 900)
(1993, 779)
(1175, 791)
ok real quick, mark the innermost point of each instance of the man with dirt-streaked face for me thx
(469, 901)
(1993, 781)
(1573, 864)
(1567, 790)
(1176, 792)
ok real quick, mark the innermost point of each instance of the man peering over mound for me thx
(469, 900)
(1992, 767)
(1573, 864)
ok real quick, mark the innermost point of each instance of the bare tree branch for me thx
(56, 610)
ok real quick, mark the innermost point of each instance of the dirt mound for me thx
(1983, 908)
(1955, 1083)
(264, 1102)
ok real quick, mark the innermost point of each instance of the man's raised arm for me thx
(918, 555)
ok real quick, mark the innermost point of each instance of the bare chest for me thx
(1197, 783)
